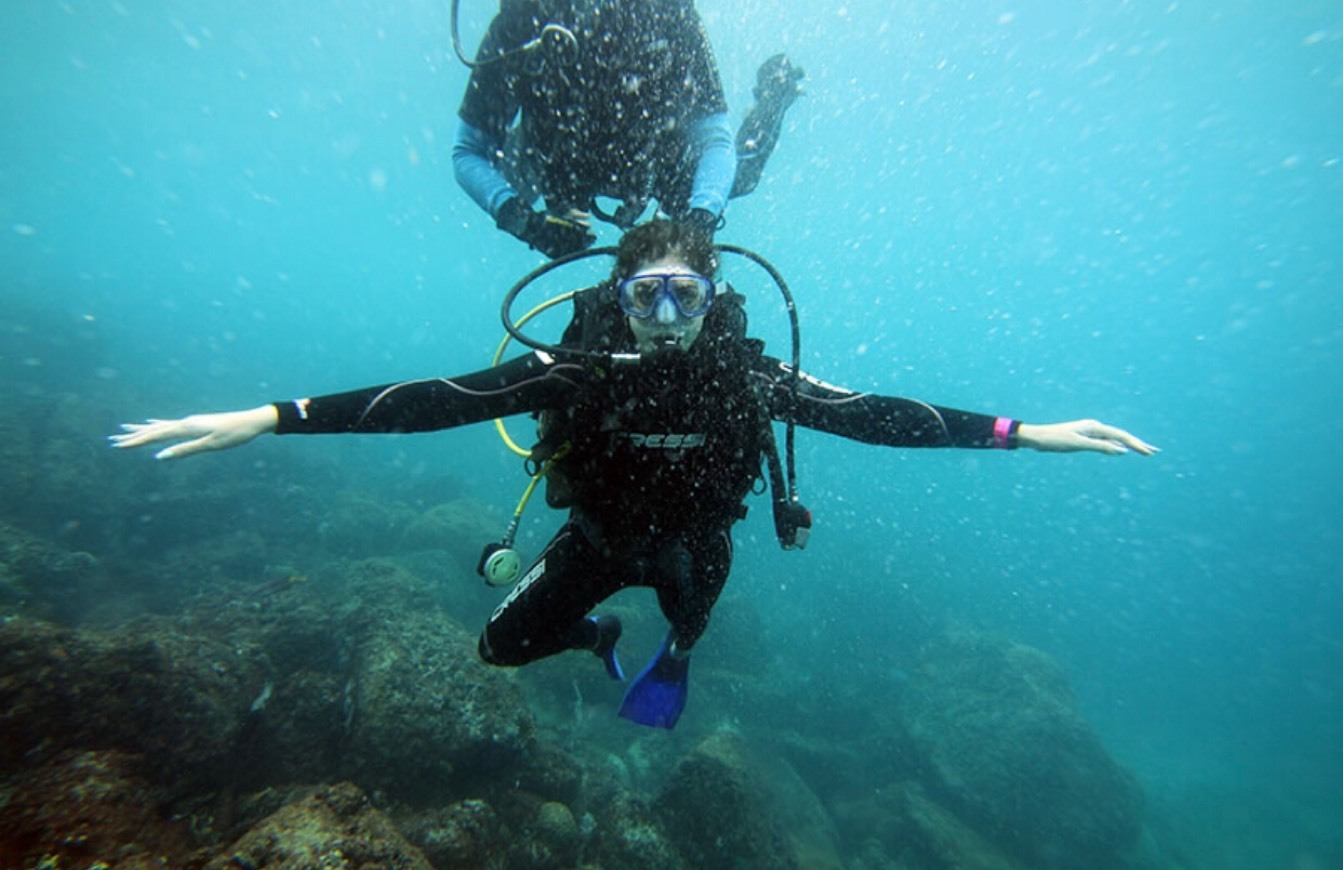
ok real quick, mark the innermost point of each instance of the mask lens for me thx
(641, 294)
(690, 293)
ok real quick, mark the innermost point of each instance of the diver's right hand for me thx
(199, 432)
(550, 234)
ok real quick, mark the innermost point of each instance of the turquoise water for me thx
(1049, 211)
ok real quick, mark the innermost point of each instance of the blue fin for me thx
(657, 696)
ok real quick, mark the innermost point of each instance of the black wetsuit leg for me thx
(687, 594)
(546, 612)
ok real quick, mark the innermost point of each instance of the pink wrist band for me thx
(1002, 433)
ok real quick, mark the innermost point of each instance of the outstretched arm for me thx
(1081, 435)
(524, 384)
(897, 422)
(199, 432)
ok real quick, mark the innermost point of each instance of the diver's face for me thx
(666, 327)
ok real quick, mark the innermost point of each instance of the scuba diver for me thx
(657, 415)
(575, 101)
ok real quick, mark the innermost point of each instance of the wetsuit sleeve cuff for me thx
(291, 415)
(1005, 433)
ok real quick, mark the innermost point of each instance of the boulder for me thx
(335, 827)
(1009, 754)
(461, 835)
(460, 528)
(424, 716)
(40, 578)
(900, 825)
(174, 700)
(87, 809)
(628, 834)
(728, 806)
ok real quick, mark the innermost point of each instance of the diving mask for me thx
(641, 295)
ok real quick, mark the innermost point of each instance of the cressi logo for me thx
(666, 441)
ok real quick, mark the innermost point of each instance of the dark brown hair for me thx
(661, 238)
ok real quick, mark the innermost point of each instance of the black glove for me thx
(701, 219)
(551, 235)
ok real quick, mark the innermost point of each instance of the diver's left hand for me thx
(1081, 435)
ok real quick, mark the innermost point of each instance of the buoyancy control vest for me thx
(598, 336)
(671, 440)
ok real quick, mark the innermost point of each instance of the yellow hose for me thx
(499, 354)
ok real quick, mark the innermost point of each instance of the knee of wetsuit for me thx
(486, 654)
(676, 565)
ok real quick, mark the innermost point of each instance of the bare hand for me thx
(1080, 435)
(199, 432)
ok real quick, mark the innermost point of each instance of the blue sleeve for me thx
(711, 137)
(473, 155)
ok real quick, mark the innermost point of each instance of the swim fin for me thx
(657, 696)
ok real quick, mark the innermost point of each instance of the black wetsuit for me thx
(615, 113)
(665, 451)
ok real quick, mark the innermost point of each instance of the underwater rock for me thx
(463, 835)
(551, 838)
(176, 701)
(83, 808)
(459, 527)
(425, 717)
(337, 827)
(627, 834)
(940, 839)
(296, 733)
(356, 525)
(556, 822)
(224, 553)
(903, 827)
(297, 722)
(837, 765)
(41, 579)
(725, 806)
(550, 771)
(443, 545)
(372, 682)
(1009, 754)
